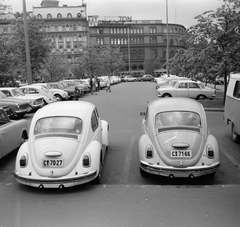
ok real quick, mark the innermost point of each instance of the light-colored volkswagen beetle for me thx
(176, 141)
(66, 147)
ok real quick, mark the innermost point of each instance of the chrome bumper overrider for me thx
(168, 171)
(55, 182)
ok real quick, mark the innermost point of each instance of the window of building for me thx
(69, 15)
(133, 54)
(176, 42)
(49, 16)
(171, 42)
(59, 15)
(140, 54)
(99, 30)
(165, 30)
(170, 30)
(39, 16)
(79, 15)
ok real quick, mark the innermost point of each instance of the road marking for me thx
(230, 157)
(127, 162)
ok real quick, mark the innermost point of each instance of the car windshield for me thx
(58, 125)
(2, 95)
(178, 118)
(17, 92)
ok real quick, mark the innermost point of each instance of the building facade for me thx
(136, 38)
(65, 26)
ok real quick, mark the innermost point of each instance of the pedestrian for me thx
(94, 82)
(91, 84)
(108, 84)
(98, 82)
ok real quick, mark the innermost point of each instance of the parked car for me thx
(62, 85)
(19, 107)
(146, 77)
(74, 83)
(176, 141)
(36, 102)
(129, 78)
(13, 133)
(232, 106)
(59, 94)
(7, 109)
(66, 147)
(188, 89)
(34, 90)
(170, 81)
(219, 80)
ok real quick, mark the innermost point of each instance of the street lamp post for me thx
(28, 60)
(129, 55)
(167, 52)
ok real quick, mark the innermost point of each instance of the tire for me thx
(97, 180)
(201, 97)
(58, 97)
(142, 172)
(166, 96)
(24, 137)
(235, 136)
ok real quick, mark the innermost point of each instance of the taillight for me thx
(23, 160)
(86, 160)
(210, 152)
(149, 151)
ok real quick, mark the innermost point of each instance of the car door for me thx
(194, 90)
(182, 89)
(8, 132)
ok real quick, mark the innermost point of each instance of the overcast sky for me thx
(179, 11)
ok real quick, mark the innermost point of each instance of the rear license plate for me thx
(53, 163)
(181, 153)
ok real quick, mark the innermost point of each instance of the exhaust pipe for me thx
(61, 187)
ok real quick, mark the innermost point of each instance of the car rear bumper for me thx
(47, 182)
(193, 171)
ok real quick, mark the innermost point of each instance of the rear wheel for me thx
(235, 135)
(24, 138)
(142, 172)
(201, 97)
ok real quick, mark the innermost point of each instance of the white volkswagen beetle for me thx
(66, 147)
(176, 141)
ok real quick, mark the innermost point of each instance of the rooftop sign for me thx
(108, 20)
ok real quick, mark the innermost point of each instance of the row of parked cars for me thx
(27, 98)
(15, 102)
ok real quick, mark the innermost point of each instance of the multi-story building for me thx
(136, 38)
(66, 27)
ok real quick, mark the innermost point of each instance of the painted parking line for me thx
(127, 162)
(230, 157)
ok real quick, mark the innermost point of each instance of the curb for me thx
(214, 109)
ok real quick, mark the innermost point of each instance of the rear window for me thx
(58, 125)
(183, 118)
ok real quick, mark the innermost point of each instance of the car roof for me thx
(71, 108)
(171, 104)
(235, 76)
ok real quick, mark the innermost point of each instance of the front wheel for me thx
(166, 96)
(235, 135)
(58, 97)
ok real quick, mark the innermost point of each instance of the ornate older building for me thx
(66, 27)
(136, 38)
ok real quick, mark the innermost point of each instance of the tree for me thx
(54, 69)
(99, 60)
(39, 45)
(113, 59)
(214, 42)
(151, 63)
